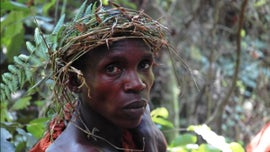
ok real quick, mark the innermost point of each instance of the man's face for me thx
(119, 82)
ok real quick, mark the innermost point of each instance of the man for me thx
(106, 59)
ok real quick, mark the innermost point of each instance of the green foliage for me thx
(37, 126)
(11, 29)
(21, 103)
(24, 67)
(187, 142)
(184, 139)
(28, 70)
(160, 116)
(126, 3)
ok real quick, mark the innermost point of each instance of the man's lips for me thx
(136, 104)
(135, 109)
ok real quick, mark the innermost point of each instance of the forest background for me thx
(223, 81)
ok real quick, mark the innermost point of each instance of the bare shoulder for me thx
(72, 148)
(68, 142)
(68, 145)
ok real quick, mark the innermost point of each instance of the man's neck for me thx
(91, 121)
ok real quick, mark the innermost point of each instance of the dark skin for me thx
(114, 98)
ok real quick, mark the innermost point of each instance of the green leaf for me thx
(37, 36)
(21, 103)
(163, 122)
(88, 9)
(37, 127)
(7, 92)
(243, 33)
(8, 5)
(177, 149)
(160, 112)
(41, 51)
(207, 148)
(236, 147)
(18, 61)
(7, 77)
(21, 146)
(28, 74)
(30, 47)
(10, 81)
(21, 77)
(4, 112)
(48, 5)
(105, 2)
(23, 57)
(80, 12)
(184, 139)
(12, 33)
(13, 69)
(59, 24)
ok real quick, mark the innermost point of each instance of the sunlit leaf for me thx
(37, 127)
(21, 103)
(105, 2)
(184, 139)
(207, 148)
(243, 33)
(236, 147)
(211, 137)
(162, 121)
(160, 112)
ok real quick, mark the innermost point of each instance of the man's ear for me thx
(74, 83)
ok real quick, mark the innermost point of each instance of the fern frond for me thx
(3, 94)
(30, 69)
(7, 79)
(88, 9)
(13, 69)
(37, 37)
(28, 74)
(59, 25)
(30, 47)
(14, 84)
(7, 92)
(19, 62)
(23, 58)
(81, 11)
(21, 77)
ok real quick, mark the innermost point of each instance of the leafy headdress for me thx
(92, 26)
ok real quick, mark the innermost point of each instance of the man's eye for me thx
(145, 65)
(113, 69)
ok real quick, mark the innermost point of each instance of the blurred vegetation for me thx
(205, 35)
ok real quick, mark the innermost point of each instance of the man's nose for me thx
(133, 82)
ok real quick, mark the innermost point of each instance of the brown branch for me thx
(217, 115)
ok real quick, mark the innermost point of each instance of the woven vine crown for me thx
(94, 27)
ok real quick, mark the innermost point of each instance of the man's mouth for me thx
(135, 110)
(136, 105)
